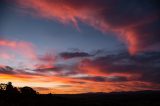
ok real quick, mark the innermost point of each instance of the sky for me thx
(76, 46)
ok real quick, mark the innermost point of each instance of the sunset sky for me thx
(79, 46)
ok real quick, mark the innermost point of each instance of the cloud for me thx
(45, 61)
(110, 68)
(11, 49)
(6, 56)
(70, 55)
(116, 72)
(46, 69)
(78, 82)
(42, 89)
(48, 57)
(6, 70)
(140, 67)
(119, 67)
(104, 79)
(65, 86)
(136, 22)
(23, 48)
(60, 70)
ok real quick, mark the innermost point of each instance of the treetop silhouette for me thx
(9, 89)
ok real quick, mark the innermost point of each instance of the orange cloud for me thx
(63, 85)
(89, 86)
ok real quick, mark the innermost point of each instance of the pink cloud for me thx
(23, 48)
(130, 24)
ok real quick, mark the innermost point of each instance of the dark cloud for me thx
(6, 70)
(69, 55)
(41, 88)
(118, 66)
(104, 79)
(117, 79)
(147, 65)
(56, 69)
(65, 86)
(62, 70)
(78, 82)
(95, 78)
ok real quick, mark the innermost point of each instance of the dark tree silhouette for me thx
(10, 89)
(28, 91)
(2, 88)
(9, 86)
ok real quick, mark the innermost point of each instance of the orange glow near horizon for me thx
(57, 87)
(60, 85)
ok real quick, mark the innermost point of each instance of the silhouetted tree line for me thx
(9, 89)
(26, 96)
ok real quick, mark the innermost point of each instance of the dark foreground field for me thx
(145, 98)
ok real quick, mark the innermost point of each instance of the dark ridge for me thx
(26, 96)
